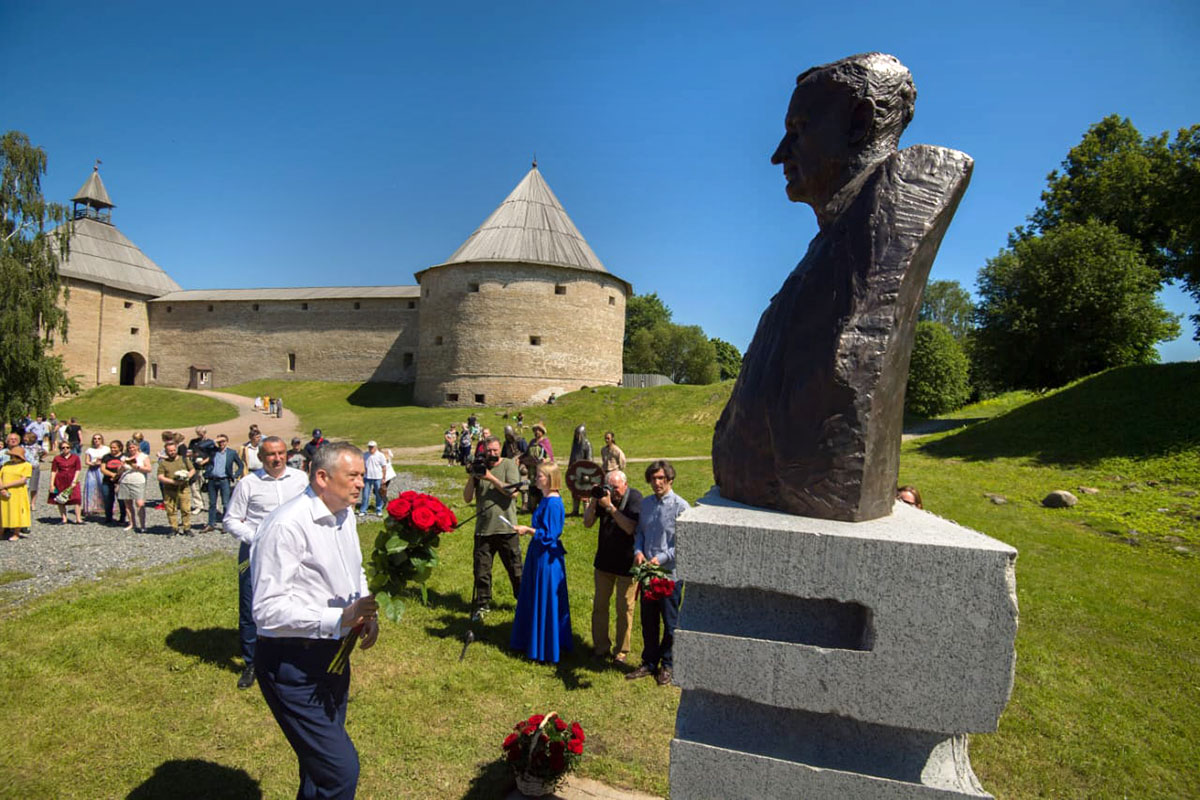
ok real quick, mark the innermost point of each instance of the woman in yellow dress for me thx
(14, 495)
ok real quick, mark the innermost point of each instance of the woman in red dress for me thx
(65, 479)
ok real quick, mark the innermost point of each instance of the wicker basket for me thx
(533, 786)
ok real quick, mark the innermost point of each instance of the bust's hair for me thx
(880, 78)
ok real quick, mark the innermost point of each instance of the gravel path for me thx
(58, 555)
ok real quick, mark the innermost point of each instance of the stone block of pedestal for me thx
(840, 659)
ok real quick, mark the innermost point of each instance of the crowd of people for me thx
(517, 475)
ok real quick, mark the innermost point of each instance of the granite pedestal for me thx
(826, 659)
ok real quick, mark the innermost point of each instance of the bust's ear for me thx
(862, 120)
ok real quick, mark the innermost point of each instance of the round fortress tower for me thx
(522, 309)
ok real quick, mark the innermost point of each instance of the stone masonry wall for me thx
(331, 340)
(103, 324)
(501, 334)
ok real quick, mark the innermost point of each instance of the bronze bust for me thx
(813, 425)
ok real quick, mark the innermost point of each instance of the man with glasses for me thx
(655, 542)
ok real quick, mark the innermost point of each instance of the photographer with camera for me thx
(618, 508)
(492, 482)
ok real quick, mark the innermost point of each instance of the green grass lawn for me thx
(145, 407)
(111, 684)
(663, 421)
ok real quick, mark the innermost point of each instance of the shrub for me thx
(938, 375)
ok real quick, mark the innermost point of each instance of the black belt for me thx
(299, 642)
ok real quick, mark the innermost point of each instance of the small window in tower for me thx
(153, 370)
(451, 397)
(357, 306)
(133, 331)
(479, 398)
(437, 340)
(560, 289)
(210, 308)
(472, 287)
(427, 292)
(612, 301)
(408, 359)
(291, 362)
(128, 304)
(304, 306)
(254, 307)
(412, 303)
(168, 309)
(536, 341)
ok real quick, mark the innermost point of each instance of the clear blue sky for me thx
(306, 144)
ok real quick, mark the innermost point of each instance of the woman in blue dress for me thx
(542, 627)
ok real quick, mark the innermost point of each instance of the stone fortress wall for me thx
(342, 339)
(503, 333)
(103, 325)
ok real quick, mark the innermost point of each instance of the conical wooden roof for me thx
(531, 227)
(93, 193)
(102, 254)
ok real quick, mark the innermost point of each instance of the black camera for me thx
(482, 463)
(600, 490)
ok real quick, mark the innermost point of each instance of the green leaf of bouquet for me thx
(394, 545)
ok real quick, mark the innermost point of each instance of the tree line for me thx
(654, 344)
(1074, 291)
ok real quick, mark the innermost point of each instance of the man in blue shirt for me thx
(222, 471)
(655, 542)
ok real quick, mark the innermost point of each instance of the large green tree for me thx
(729, 359)
(1072, 301)
(1148, 188)
(31, 316)
(946, 302)
(655, 344)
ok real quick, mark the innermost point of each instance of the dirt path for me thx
(236, 429)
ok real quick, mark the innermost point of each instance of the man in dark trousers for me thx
(310, 593)
(618, 510)
(222, 471)
(493, 491)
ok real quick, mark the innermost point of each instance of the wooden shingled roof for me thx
(102, 254)
(531, 227)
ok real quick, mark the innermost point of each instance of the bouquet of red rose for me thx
(406, 549)
(654, 582)
(544, 748)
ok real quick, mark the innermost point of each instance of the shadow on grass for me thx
(1131, 412)
(494, 780)
(381, 395)
(217, 646)
(196, 778)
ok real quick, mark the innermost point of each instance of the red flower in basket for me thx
(577, 732)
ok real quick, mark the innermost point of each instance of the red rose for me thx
(575, 746)
(577, 731)
(446, 520)
(409, 495)
(559, 724)
(536, 719)
(423, 518)
(509, 741)
(398, 509)
(529, 729)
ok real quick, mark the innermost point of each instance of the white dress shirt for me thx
(306, 567)
(257, 495)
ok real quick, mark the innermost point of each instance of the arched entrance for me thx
(133, 369)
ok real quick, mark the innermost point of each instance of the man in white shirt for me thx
(375, 464)
(255, 496)
(310, 592)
